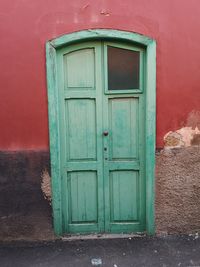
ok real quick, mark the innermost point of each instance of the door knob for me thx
(105, 133)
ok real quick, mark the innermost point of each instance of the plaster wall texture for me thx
(177, 184)
(25, 26)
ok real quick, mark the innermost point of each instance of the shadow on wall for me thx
(24, 212)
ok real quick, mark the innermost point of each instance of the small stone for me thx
(196, 236)
(96, 262)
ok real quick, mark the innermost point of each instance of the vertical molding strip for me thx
(150, 136)
(54, 136)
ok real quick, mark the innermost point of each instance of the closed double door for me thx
(101, 95)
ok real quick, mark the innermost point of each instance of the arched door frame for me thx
(150, 81)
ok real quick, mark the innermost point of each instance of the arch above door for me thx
(52, 48)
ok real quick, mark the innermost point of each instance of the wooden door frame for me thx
(150, 124)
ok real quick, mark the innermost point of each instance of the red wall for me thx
(25, 26)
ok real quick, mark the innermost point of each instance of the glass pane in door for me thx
(123, 68)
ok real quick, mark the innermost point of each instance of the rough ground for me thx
(124, 252)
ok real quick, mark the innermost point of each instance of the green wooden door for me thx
(101, 113)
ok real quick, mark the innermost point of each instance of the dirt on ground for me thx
(168, 251)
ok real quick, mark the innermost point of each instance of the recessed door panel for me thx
(79, 68)
(81, 129)
(83, 198)
(123, 125)
(124, 199)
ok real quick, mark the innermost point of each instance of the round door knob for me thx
(105, 133)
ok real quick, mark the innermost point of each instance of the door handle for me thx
(105, 133)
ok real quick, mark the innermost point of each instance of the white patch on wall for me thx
(46, 185)
(186, 136)
(182, 137)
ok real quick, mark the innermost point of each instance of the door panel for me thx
(124, 196)
(80, 69)
(81, 129)
(123, 124)
(83, 203)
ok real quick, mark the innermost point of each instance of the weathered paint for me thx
(183, 137)
(57, 132)
(24, 31)
(187, 135)
(46, 185)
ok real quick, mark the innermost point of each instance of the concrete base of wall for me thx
(178, 190)
(26, 214)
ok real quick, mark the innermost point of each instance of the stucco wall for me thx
(178, 190)
(25, 26)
